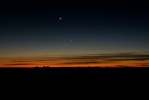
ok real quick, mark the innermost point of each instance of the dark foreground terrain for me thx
(74, 75)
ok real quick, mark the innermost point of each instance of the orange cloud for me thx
(120, 59)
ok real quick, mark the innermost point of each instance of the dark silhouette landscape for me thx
(74, 74)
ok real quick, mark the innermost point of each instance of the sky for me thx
(89, 34)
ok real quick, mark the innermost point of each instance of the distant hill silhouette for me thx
(42, 67)
(74, 74)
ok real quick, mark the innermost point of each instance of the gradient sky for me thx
(90, 34)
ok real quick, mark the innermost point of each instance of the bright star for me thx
(60, 18)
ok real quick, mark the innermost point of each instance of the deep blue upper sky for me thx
(35, 30)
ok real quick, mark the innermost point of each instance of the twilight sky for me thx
(90, 34)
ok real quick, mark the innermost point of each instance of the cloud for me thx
(105, 58)
(144, 64)
(18, 61)
(111, 57)
(33, 59)
(88, 57)
(81, 59)
(67, 63)
(16, 64)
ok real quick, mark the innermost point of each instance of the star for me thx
(60, 18)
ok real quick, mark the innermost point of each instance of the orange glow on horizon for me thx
(108, 60)
(120, 64)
